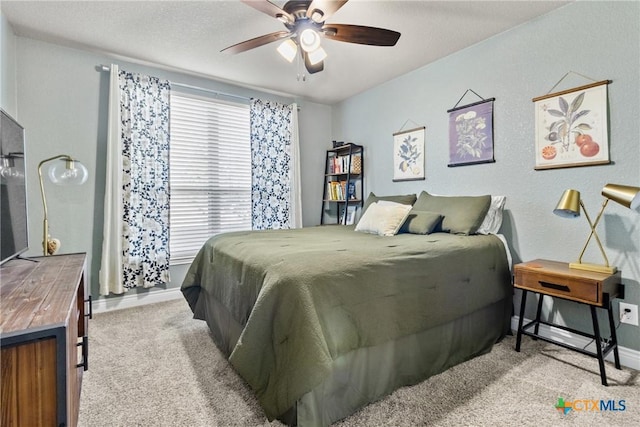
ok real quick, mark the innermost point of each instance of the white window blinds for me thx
(209, 172)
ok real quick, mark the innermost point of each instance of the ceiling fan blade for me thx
(256, 42)
(265, 6)
(360, 34)
(310, 67)
(325, 8)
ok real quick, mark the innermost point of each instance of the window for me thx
(209, 172)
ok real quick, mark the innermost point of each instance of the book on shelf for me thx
(340, 165)
(337, 190)
(351, 190)
(332, 191)
(356, 164)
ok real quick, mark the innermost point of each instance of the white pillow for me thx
(493, 219)
(383, 218)
(388, 203)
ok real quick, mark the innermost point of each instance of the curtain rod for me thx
(186, 86)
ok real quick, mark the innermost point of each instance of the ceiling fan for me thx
(305, 22)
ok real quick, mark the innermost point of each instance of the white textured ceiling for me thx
(188, 36)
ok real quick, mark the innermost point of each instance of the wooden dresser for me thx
(44, 339)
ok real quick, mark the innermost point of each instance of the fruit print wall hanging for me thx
(571, 127)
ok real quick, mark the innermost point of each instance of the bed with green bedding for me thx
(320, 321)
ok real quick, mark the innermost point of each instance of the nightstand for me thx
(557, 280)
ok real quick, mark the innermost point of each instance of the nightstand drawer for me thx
(558, 280)
(564, 287)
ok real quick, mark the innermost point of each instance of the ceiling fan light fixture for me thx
(317, 56)
(288, 50)
(305, 27)
(317, 15)
(282, 18)
(309, 40)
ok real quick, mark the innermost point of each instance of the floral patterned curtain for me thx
(141, 210)
(273, 153)
(145, 150)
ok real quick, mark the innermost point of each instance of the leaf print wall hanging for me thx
(408, 155)
(571, 127)
(471, 133)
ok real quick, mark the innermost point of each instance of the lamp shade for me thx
(309, 40)
(8, 169)
(68, 172)
(623, 194)
(569, 204)
(317, 56)
(288, 50)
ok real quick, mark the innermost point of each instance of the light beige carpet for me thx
(156, 366)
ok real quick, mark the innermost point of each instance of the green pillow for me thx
(462, 214)
(421, 222)
(407, 199)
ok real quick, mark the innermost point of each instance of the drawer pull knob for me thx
(564, 288)
(85, 353)
(90, 301)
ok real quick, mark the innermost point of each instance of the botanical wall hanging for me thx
(408, 154)
(471, 132)
(571, 127)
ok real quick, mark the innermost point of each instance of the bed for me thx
(320, 321)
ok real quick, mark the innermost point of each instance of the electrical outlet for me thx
(630, 317)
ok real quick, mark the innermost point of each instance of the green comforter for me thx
(307, 296)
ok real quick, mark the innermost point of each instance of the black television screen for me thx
(14, 238)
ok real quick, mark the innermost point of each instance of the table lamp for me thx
(569, 207)
(67, 171)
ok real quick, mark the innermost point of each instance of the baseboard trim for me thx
(135, 300)
(628, 357)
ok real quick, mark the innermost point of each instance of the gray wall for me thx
(597, 39)
(8, 96)
(315, 123)
(62, 101)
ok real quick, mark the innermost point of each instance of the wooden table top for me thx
(40, 292)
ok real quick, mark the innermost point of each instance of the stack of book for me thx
(337, 190)
(340, 164)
